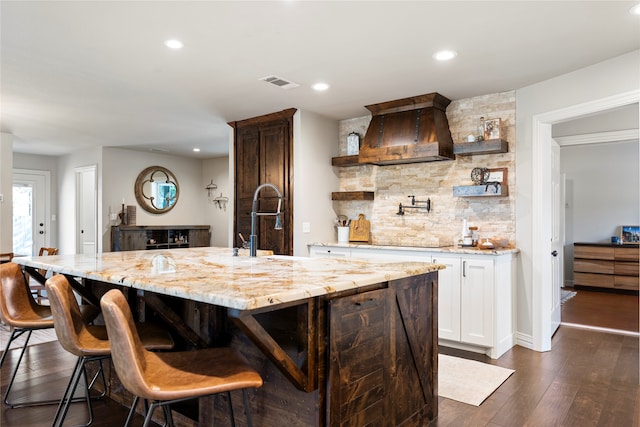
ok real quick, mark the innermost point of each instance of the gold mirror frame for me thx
(154, 190)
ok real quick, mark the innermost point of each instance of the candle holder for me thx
(123, 216)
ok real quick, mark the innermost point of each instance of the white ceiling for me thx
(77, 74)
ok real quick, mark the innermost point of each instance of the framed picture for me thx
(498, 175)
(630, 234)
(491, 129)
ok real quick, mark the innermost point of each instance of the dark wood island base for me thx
(351, 359)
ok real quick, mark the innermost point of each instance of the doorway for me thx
(31, 207)
(86, 210)
(542, 212)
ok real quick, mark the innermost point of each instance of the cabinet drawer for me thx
(593, 266)
(593, 252)
(626, 268)
(627, 282)
(627, 254)
(588, 279)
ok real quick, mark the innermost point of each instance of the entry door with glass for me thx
(30, 211)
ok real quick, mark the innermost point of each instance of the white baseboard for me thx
(524, 340)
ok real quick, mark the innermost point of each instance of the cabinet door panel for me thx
(247, 164)
(476, 302)
(274, 155)
(448, 297)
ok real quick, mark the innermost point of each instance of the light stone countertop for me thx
(441, 249)
(212, 275)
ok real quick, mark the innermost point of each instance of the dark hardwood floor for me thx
(602, 310)
(590, 378)
(48, 367)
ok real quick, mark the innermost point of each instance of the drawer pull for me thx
(367, 302)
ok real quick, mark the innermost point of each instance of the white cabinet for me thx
(476, 302)
(448, 296)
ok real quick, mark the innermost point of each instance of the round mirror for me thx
(157, 189)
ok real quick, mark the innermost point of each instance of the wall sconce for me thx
(210, 187)
(220, 200)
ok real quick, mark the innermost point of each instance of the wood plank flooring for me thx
(603, 310)
(590, 378)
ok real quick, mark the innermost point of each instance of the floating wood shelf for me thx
(352, 195)
(346, 161)
(491, 146)
(480, 190)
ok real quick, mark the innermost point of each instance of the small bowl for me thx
(487, 244)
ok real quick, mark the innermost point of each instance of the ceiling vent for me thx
(280, 82)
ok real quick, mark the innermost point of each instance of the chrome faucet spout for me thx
(253, 238)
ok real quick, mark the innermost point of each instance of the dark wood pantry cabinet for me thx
(263, 154)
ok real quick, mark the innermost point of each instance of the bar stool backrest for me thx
(127, 352)
(17, 306)
(74, 334)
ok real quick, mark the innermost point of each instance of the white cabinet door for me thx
(329, 252)
(448, 297)
(476, 301)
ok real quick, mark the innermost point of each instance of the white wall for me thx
(314, 179)
(615, 76)
(6, 189)
(119, 172)
(600, 195)
(217, 169)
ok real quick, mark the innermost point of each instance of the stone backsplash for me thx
(494, 216)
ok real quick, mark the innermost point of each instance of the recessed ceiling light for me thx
(445, 55)
(173, 44)
(635, 10)
(197, 150)
(320, 86)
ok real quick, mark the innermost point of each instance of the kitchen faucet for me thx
(253, 238)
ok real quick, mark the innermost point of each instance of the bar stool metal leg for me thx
(16, 333)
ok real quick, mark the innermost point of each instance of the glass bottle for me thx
(480, 136)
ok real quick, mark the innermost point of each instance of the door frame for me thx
(541, 202)
(47, 202)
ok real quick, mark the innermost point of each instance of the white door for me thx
(476, 301)
(86, 210)
(448, 297)
(557, 236)
(31, 207)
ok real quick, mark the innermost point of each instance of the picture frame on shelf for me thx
(491, 129)
(630, 234)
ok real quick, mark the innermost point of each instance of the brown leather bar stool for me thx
(88, 342)
(23, 315)
(37, 289)
(166, 378)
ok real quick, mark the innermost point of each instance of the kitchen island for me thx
(338, 342)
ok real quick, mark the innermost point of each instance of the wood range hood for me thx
(408, 130)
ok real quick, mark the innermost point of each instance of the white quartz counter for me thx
(214, 276)
(441, 249)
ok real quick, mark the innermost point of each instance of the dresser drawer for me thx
(588, 279)
(627, 282)
(593, 252)
(593, 266)
(627, 254)
(626, 268)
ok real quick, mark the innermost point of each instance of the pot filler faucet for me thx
(253, 238)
